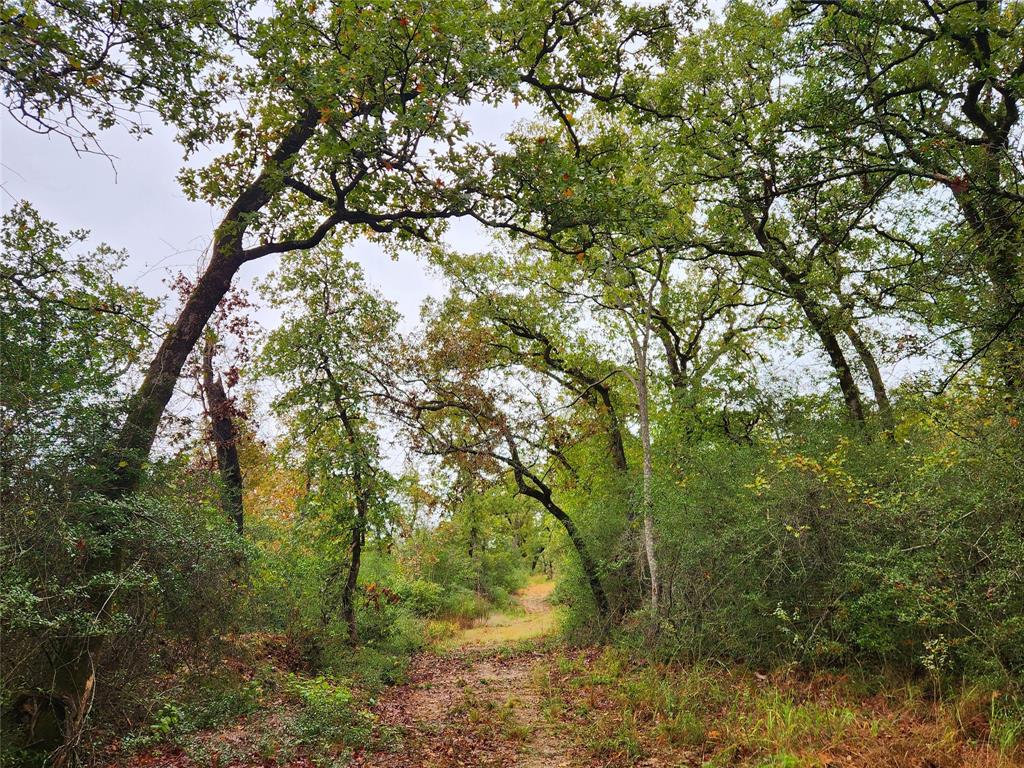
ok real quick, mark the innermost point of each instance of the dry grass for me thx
(536, 619)
(625, 713)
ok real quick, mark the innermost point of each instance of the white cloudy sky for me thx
(136, 204)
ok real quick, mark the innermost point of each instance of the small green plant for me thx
(1006, 723)
(168, 722)
(328, 721)
(684, 729)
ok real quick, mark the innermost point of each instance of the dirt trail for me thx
(476, 704)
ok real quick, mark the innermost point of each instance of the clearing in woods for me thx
(474, 702)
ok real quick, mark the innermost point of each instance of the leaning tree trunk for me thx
(867, 358)
(818, 319)
(74, 669)
(539, 490)
(146, 407)
(816, 316)
(587, 562)
(225, 440)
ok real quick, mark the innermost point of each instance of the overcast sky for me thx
(136, 204)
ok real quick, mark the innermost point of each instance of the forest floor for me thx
(497, 694)
(505, 692)
(475, 701)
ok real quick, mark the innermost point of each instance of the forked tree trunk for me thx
(816, 315)
(818, 319)
(146, 407)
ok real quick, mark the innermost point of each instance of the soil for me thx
(477, 703)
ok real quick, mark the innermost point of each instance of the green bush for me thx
(328, 719)
(424, 598)
(150, 588)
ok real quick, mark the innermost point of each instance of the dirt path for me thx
(476, 703)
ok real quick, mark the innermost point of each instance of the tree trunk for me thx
(813, 311)
(225, 440)
(361, 488)
(586, 561)
(146, 407)
(356, 551)
(540, 491)
(818, 319)
(677, 373)
(646, 501)
(867, 357)
(998, 238)
(615, 444)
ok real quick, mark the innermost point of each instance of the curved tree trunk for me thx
(146, 407)
(539, 490)
(816, 315)
(587, 562)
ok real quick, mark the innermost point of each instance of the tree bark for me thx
(146, 407)
(818, 319)
(646, 499)
(361, 489)
(867, 358)
(358, 529)
(586, 561)
(816, 315)
(225, 440)
(539, 490)
(615, 444)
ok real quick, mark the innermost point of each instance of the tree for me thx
(790, 220)
(221, 412)
(330, 352)
(69, 334)
(930, 93)
(454, 404)
(80, 66)
(343, 102)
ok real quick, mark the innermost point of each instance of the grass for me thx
(621, 711)
(531, 618)
(491, 716)
(258, 710)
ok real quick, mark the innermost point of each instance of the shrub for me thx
(328, 720)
